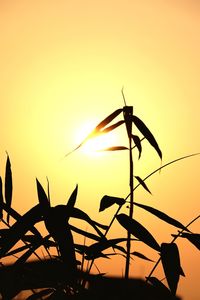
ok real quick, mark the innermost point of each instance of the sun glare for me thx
(94, 145)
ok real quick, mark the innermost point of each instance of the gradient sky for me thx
(62, 67)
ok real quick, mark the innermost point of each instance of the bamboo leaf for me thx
(20, 227)
(138, 144)
(194, 238)
(1, 199)
(78, 213)
(112, 127)
(8, 185)
(142, 183)
(140, 255)
(98, 129)
(114, 148)
(39, 295)
(171, 264)
(162, 216)
(138, 230)
(85, 233)
(108, 201)
(108, 119)
(72, 200)
(147, 134)
(42, 197)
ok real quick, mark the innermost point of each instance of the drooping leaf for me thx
(108, 201)
(162, 216)
(1, 199)
(8, 185)
(98, 130)
(138, 230)
(128, 114)
(147, 134)
(194, 238)
(112, 127)
(42, 197)
(40, 294)
(140, 255)
(114, 148)
(137, 143)
(72, 200)
(142, 183)
(171, 264)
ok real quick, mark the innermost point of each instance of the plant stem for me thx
(128, 245)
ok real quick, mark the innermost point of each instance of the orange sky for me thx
(63, 64)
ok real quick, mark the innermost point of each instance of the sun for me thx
(96, 145)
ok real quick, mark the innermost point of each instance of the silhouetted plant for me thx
(60, 231)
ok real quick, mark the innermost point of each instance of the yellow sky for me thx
(63, 64)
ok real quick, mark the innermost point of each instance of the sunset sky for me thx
(63, 64)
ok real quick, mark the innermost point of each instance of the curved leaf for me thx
(108, 201)
(162, 216)
(194, 238)
(137, 143)
(140, 255)
(85, 233)
(112, 127)
(159, 286)
(147, 134)
(138, 230)
(142, 183)
(8, 185)
(171, 264)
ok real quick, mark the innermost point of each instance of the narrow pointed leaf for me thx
(85, 233)
(97, 130)
(42, 197)
(142, 183)
(140, 255)
(72, 200)
(171, 264)
(162, 216)
(114, 148)
(138, 230)
(137, 143)
(147, 134)
(194, 238)
(108, 119)
(108, 201)
(8, 185)
(20, 227)
(78, 213)
(112, 127)
(1, 199)
(39, 295)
